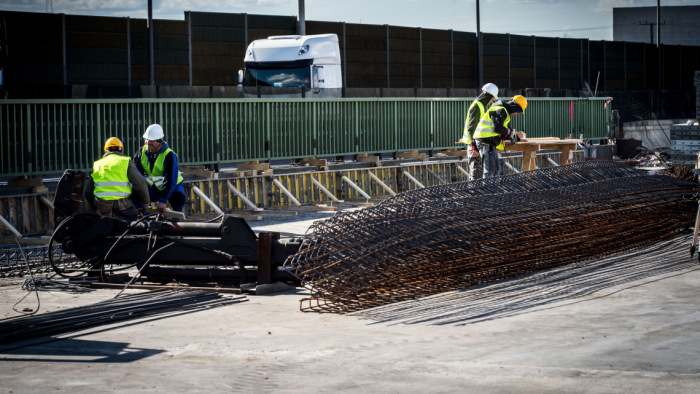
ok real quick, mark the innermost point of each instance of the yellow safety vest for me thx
(467, 137)
(111, 179)
(155, 177)
(485, 127)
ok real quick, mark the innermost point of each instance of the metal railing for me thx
(40, 137)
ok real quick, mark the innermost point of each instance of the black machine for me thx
(163, 249)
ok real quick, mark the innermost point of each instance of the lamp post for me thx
(479, 47)
(151, 72)
(301, 18)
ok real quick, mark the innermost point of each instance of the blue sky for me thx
(590, 19)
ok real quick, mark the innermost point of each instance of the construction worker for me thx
(489, 93)
(114, 181)
(159, 164)
(493, 130)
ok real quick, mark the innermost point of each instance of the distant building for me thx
(679, 25)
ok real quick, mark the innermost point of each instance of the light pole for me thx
(479, 54)
(301, 18)
(151, 72)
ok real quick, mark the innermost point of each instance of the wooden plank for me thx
(567, 154)
(313, 162)
(531, 146)
(25, 182)
(214, 215)
(455, 152)
(529, 157)
(253, 165)
(305, 208)
(365, 158)
(200, 171)
(265, 212)
(412, 155)
(169, 213)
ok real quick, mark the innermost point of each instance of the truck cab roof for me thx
(321, 48)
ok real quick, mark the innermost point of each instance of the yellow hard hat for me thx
(522, 101)
(113, 142)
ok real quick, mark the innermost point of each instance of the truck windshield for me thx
(281, 77)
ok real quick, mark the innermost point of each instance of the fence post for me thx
(217, 132)
(30, 155)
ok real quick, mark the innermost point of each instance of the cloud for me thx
(606, 6)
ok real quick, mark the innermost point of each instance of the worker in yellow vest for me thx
(494, 128)
(489, 93)
(113, 183)
(159, 164)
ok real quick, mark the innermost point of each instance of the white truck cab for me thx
(311, 62)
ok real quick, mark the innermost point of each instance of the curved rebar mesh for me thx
(448, 237)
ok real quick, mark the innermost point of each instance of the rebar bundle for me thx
(18, 262)
(448, 237)
(131, 307)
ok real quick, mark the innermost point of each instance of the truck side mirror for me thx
(318, 77)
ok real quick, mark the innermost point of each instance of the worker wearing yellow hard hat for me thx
(113, 181)
(489, 93)
(493, 130)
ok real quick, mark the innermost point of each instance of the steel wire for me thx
(452, 236)
(133, 306)
(12, 261)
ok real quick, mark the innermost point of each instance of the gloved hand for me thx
(513, 137)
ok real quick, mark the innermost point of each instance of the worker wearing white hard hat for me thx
(159, 164)
(489, 93)
(494, 128)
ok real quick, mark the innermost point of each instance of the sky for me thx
(590, 19)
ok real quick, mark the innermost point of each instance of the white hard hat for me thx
(491, 88)
(154, 132)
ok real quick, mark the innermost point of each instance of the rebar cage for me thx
(447, 237)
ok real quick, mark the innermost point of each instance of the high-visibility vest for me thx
(485, 127)
(466, 136)
(155, 177)
(111, 179)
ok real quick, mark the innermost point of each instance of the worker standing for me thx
(493, 130)
(159, 164)
(489, 93)
(113, 182)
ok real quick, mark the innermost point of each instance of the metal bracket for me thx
(285, 191)
(206, 199)
(243, 198)
(354, 186)
(325, 191)
(414, 180)
(382, 184)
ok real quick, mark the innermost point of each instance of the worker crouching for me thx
(493, 130)
(159, 164)
(114, 180)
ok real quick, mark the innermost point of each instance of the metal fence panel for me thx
(41, 137)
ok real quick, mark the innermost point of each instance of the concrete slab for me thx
(626, 323)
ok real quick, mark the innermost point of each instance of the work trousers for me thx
(476, 168)
(489, 157)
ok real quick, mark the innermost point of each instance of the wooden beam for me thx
(253, 165)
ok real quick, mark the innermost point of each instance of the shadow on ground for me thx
(551, 288)
(76, 351)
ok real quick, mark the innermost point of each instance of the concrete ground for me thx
(626, 323)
